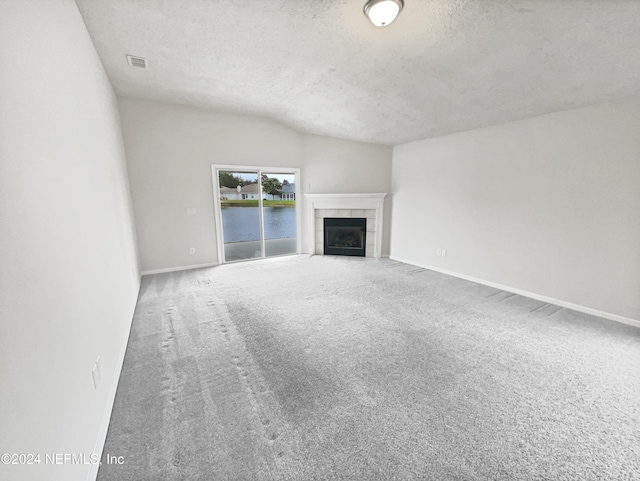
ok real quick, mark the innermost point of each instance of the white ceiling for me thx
(320, 66)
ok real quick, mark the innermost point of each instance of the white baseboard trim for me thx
(179, 268)
(111, 397)
(532, 295)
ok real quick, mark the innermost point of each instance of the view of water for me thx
(243, 223)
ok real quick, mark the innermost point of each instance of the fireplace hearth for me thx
(345, 236)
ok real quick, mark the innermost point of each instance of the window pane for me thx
(279, 213)
(240, 215)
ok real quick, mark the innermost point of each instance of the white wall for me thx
(549, 205)
(68, 263)
(170, 149)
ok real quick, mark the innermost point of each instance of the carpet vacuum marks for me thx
(320, 368)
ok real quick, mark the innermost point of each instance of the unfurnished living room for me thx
(319, 239)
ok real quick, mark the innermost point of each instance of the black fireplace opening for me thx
(345, 237)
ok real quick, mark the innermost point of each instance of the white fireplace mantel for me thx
(345, 201)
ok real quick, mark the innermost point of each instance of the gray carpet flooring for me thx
(303, 368)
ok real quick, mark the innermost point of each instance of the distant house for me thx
(229, 193)
(252, 191)
(245, 192)
(288, 192)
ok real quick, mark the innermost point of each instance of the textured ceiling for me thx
(320, 66)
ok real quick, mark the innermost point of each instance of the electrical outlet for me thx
(192, 250)
(439, 252)
(95, 373)
(444, 252)
(191, 211)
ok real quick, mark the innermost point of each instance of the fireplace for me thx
(345, 206)
(345, 237)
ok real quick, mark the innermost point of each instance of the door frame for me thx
(217, 210)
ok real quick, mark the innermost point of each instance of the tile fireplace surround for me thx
(347, 206)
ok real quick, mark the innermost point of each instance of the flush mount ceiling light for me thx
(383, 12)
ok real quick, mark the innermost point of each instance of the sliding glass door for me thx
(256, 213)
(240, 212)
(279, 213)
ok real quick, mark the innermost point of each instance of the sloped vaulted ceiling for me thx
(320, 66)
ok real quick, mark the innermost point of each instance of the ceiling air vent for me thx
(137, 61)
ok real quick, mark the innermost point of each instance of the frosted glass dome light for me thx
(383, 12)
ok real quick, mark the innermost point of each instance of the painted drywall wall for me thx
(549, 205)
(170, 149)
(68, 263)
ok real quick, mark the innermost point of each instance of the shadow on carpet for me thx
(305, 368)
